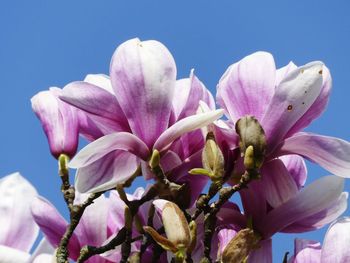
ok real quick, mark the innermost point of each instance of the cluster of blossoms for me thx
(142, 121)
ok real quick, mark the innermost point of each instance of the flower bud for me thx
(59, 121)
(238, 249)
(175, 225)
(176, 228)
(252, 141)
(212, 158)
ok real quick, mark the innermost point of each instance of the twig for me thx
(210, 217)
(76, 212)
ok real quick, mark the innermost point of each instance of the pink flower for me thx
(139, 112)
(335, 246)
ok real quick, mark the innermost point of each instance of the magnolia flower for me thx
(59, 121)
(18, 230)
(335, 247)
(284, 101)
(138, 105)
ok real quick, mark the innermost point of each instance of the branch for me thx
(210, 218)
(76, 212)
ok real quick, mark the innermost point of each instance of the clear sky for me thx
(50, 43)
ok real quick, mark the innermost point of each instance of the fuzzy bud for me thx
(252, 141)
(238, 249)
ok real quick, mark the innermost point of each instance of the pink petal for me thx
(321, 218)
(195, 183)
(281, 73)
(292, 98)
(92, 227)
(279, 186)
(13, 255)
(53, 225)
(59, 121)
(317, 107)
(143, 77)
(94, 100)
(188, 93)
(331, 153)
(44, 248)
(262, 254)
(254, 200)
(296, 166)
(185, 125)
(105, 173)
(318, 196)
(107, 144)
(306, 251)
(100, 80)
(18, 229)
(225, 235)
(44, 258)
(247, 86)
(336, 243)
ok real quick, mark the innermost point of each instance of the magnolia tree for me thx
(141, 121)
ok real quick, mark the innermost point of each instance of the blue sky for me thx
(50, 43)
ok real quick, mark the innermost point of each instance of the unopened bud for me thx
(175, 225)
(238, 249)
(212, 158)
(252, 141)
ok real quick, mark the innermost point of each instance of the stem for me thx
(76, 212)
(89, 251)
(210, 218)
(203, 200)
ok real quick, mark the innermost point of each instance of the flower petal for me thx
(143, 77)
(189, 92)
(12, 255)
(18, 229)
(185, 125)
(59, 121)
(94, 100)
(194, 183)
(116, 141)
(331, 153)
(92, 227)
(53, 225)
(292, 98)
(307, 251)
(100, 80)
(321, 218)
(317, 107)
(281, 73)
(224, 237)
(247, 86)
(278, 184)
(263, 254)
(44, 248)
(316, 197)
(254, 200)
(45, 258)
(336, 243)
(296, 167)
(112, 169)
